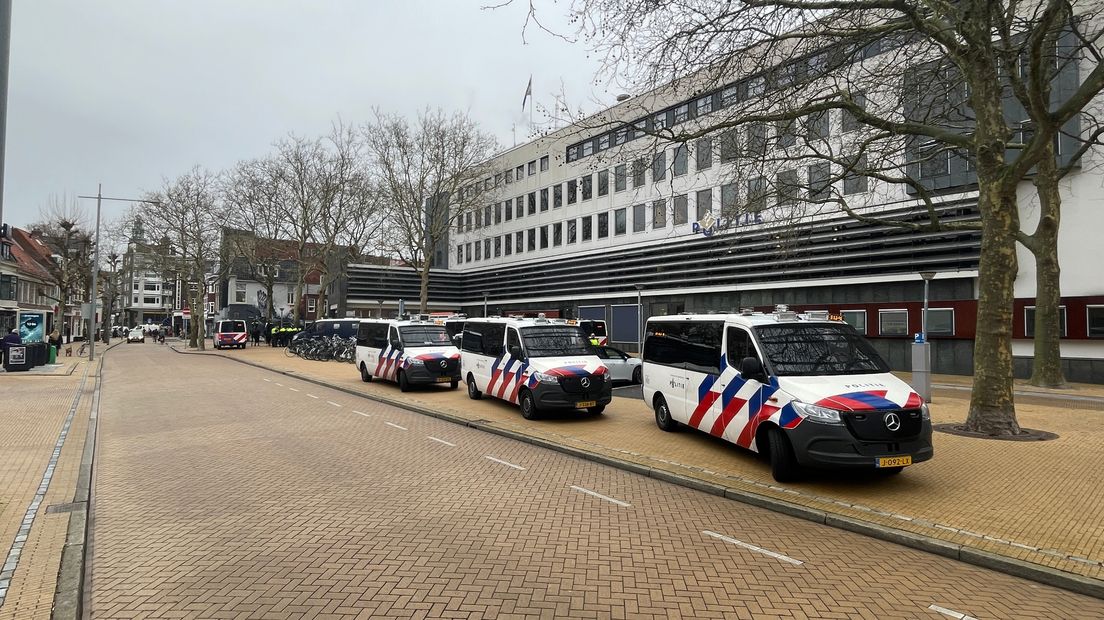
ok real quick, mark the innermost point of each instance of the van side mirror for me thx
(457, 339)
(751, 368)
(515, 352)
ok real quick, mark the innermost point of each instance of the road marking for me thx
(950, 612)
(278, 383)
(293, 389)
(269, 380)
(504, 462)
(600, 496)
(312, 395)
(367, 415)
(749, 547)
(401, 428)
(333, 403)
(447, 443)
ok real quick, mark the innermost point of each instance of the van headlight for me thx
(816, 413)
(544, 377)
(413, 361)
(925, 413)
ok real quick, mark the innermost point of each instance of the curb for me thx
(963, 553)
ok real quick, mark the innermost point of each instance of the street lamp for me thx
(639, 320)
(485, 293)
(921, 349)
(927, 276)
(96, 261)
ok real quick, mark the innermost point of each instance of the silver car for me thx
(622, 366)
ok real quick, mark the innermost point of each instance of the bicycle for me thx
(83, 348)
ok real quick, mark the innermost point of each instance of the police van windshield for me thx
(797, 349)
(424, 336)
(553, 340)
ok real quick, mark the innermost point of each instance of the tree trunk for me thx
(268, 301)
(992, 409)
(1046, 368)
(424, 289)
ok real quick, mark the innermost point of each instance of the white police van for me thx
(534, 363)
(807, 390)
(407, 352)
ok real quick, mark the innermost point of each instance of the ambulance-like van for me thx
(805, 390)
(406, 352)
(534, 363)
(232, 334)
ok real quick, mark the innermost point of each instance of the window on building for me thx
(638, 218)
(788, 187)
(498, 179)
(507, 244)
(620, 136)
(659, 121)
(603, 225)
(588, 148)
(312, 304)
(856, 319)
(519, 206)
(587, 186)
(603, 142)
(478, 251)
(468, 222)
(941, 322)
(730, 197)
(1094, 321)
(467, 254)
(544, 237)
(659, 166)
(151, 301)
(572, 153)
(619, 177)
(787, 135)
(620, 223)
(557, 196)
(509, 176)
(820, 186)
(603, 182)
(893, 322)
(756, 195)
(682, 113)
(487, 249)
(1029, 321)
(704, 202)
(679, 166)
(498, 213)
(639, 166)
(519, 172)
(571, 231)
(478, 220)
(557, 234)
(572, 191)
(544, 163)
(659, 214)
(508, 209)
(757, 140)
(816, 126)
(730, 145)
(854, 181)
(704, 105)
(239, 292)
(703, 154)
(459, 254)
(135, 299)
(681, 214)
(519, 241)
(532, 203)
(850, 123)
(730, 96)
(135, 286)
(532, 239)
(756, 86)
(544, 199)
(497, 247)
(585, 224)
(934, 159)
(532, 168)
(487, 215)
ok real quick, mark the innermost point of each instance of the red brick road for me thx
(225, 491)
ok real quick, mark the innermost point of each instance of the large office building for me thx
(595, 218)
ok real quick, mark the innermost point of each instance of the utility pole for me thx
(5, 53)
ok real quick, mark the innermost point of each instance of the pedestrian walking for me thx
(255, 333)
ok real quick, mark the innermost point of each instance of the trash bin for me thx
(16, 359)
(40, 354)
(53, 355)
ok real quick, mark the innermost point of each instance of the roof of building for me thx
(30, 254)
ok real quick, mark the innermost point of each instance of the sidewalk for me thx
(1038, 502)
(36, 408)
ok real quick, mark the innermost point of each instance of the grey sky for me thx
(126, 92)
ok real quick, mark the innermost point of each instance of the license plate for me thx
(444, 379)
(893, 461)
(583, 404)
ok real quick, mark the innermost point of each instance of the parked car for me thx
(622, 366)
(136, 335)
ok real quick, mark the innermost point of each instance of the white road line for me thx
(504, 462)
(312, 395)
(447, 443)
(269, 380)
(401, 428)
(278, 383)
(950, 612)
(600, 496)
(367, 415)
(766, 552)
(293, 389)
(333, 403)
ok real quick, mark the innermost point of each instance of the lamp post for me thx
(639, 320)
(96, 261)
(485, 293)
(921, 348)
(927, 276)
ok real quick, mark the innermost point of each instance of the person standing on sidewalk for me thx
(10, 340)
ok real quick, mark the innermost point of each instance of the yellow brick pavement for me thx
(32, 416)
(1036, 501)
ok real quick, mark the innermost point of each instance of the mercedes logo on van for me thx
(444, 363)
(892, 421)
(585, 382)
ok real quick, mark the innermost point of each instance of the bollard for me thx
(921, 369)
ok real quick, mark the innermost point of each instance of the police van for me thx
(407, 352)
(534, 363)
(804, 389)
(230, 334)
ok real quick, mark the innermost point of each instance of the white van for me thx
(534, 363)
(804, 389)
(407, 352)
(230, 334)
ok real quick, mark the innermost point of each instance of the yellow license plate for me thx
(444, 379)
(583, 404)
(894, 461)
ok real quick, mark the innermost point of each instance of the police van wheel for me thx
(364, 376)
(663, 415)
(404, 383)
(784, 466)
(473, 392)
(528, 405)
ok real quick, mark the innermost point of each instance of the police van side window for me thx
(377, 338)
(739, 346)
(393, 335)
(664, 344)
(703, 346)
(512, 340)
(493, 334)
(362, 334)
(472, 340)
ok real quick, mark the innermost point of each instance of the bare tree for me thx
(429, 174)
(800, 58)
(63, 228)
(252, 193)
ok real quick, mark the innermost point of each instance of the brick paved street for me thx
(227, 491)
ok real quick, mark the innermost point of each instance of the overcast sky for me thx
(125, 92)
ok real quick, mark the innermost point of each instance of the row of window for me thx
(511, 175)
